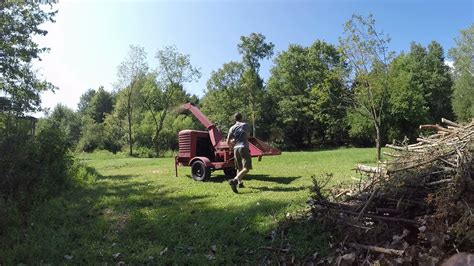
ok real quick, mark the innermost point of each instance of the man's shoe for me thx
(241, 185)
(233, 184)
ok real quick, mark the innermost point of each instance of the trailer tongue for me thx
(207, 151)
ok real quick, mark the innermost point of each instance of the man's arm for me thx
(228, 135)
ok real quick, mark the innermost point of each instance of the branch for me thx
(379, 249)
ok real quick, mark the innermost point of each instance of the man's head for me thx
(238, 117)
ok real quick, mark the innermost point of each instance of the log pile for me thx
(415, 208)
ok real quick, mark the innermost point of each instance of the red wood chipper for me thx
(208, 151)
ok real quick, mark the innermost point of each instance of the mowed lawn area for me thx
(138, 212)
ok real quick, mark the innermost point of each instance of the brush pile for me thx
(416, 208)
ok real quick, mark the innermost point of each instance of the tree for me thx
(223, 95)
(420, 89)
(131, 72)
(165, 88)
(114, 132)
(366, 50)
(437, 83)
(463, 56)
(307, 87)
(68, 121)
(407, 106)
(19, 22)
(85, 101)
(253, 92)
(92, 135)
(101, 103)
(96, 104)
(253, 48)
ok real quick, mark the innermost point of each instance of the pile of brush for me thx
(416, 208)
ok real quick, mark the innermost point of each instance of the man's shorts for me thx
(242, 158)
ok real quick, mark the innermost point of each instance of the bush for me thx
(54, 160)
(82, 174)
(36, 168)
(10, 217)
(92, 136)
(19, 162)
(144, 152)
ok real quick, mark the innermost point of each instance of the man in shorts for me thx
(238, 135)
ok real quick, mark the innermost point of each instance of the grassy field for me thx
(138, 212)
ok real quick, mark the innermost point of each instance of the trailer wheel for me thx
(230, 172)
(199, 171)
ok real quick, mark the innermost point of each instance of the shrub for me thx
(92, 136)
(54, 160)
(144, 152)
(36, 168)
(19, 163)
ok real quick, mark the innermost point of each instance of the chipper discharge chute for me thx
(207, 151)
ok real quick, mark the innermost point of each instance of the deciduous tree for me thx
(366, 50)
(223, 95)
(96, 104)
(165, 88)
(307, 86)
(19, 23)
(253, 48)
(131, 73)
(463, 56)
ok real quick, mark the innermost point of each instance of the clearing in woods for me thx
(138, 212)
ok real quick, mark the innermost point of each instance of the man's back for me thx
(239, 132)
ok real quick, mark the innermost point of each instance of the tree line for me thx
(355, 93)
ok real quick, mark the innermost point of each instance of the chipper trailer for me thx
(207, 151)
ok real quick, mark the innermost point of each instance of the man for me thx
(238, 136)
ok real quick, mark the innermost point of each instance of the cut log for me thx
(436, 127)
(448, 122)
(368, 169)
(425, 140)
(391, 154)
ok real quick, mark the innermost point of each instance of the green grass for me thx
(138, 208)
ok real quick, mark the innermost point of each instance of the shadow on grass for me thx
(117, 177)
(282, 189)
(275, 179)
(266, 178)
(140, 222)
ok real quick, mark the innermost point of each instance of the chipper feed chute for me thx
(261, 148)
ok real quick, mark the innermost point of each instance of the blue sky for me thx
(91, 38)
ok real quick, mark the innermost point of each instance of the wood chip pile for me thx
(416, 208)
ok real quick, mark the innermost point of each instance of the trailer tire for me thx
(230, 172)
(199, 171)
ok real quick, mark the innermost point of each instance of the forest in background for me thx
(354, 93)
